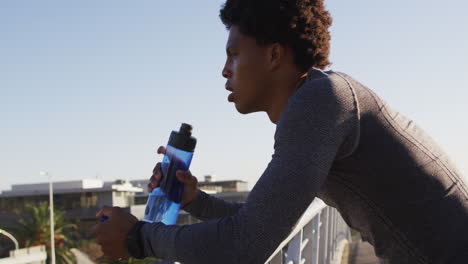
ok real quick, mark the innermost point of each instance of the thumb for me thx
(104, 211)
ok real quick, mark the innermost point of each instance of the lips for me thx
(231, 97)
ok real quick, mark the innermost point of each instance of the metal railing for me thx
(319, 237)
(10, 236)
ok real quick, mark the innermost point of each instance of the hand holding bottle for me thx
(185, 177)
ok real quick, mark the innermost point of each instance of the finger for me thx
(106, 251)
(154, 182)
(184, 176)
(100, 240)
(157, 168)
(105, 211)
(161, 150)
(94, 230)
(111, 253)
(156, 178)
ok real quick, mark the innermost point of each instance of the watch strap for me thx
(134, 241)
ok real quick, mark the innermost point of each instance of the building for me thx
(223, 186)
(80, 199)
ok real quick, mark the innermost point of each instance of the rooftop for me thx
(84, 185)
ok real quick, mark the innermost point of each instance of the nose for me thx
(226, 71)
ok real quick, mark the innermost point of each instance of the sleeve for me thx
(206, 207)
(311, 129)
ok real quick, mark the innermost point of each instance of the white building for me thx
(80, 199)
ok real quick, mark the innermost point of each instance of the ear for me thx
(276, 54)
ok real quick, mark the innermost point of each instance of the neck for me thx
(282, 91)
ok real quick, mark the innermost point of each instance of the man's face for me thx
(246, 71)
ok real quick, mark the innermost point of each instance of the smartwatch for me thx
(134, 241)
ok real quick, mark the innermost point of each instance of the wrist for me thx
(194, 197)
(134, 241)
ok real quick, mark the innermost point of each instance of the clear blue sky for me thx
(92, 88)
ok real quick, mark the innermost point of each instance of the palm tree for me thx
(33, 229)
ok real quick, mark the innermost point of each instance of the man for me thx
(335, 139)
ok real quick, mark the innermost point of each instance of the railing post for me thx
(294, 250)
(307, 252)
(316, 239)
(335, 233)
(323, 239)
(332, 234)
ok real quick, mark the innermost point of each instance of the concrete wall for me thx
(138, 210)
(115, 198)
(242, 186)
(31, 255)
(104, 198)
(120, 199)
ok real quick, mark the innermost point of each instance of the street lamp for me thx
(51, 207)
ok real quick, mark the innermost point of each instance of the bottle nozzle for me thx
(186, 129)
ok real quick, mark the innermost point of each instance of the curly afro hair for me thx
(301, 25)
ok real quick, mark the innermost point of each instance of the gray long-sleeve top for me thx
(339, 141)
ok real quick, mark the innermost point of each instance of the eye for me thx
(230, 53)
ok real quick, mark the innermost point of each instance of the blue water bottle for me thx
(164, 202)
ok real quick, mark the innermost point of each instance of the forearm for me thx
(206, 207)
(249, 236)
(207, 242)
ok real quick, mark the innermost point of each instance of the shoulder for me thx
(326, 104)
(329, 93)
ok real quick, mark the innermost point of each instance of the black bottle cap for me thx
(183, 139)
